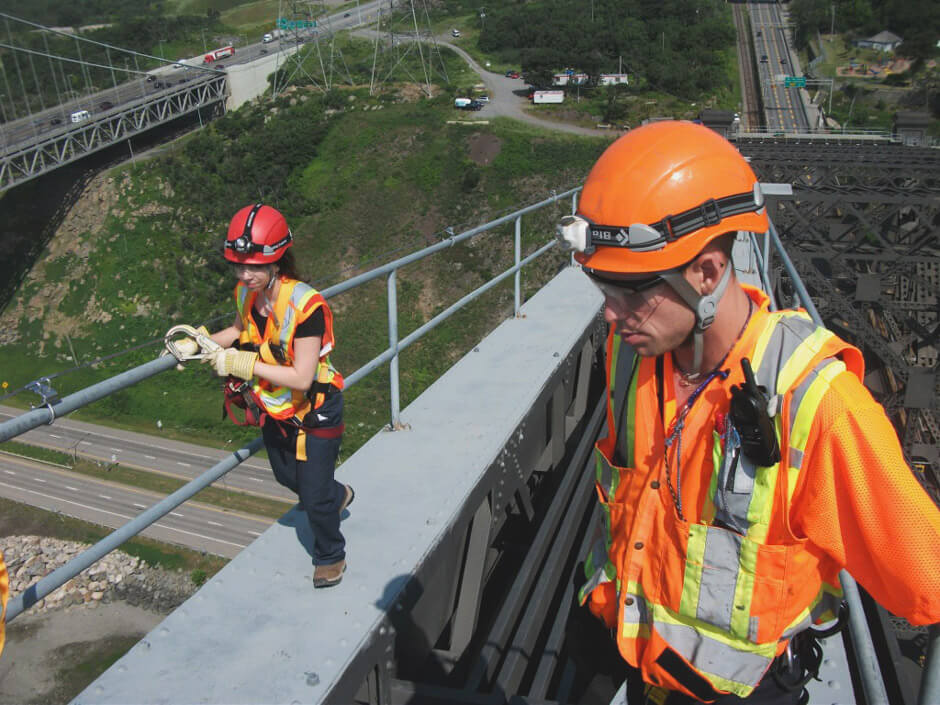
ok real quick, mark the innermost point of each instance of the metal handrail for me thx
(57, 408)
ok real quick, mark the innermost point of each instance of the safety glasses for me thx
(629, 291)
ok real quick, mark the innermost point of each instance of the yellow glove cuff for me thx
(242, 364)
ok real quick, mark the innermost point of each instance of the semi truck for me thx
(548, 97)
(272, 35)
(217, 54)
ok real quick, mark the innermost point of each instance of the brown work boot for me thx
(329, 575)
(348, 499)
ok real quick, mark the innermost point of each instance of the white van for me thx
(455, 32)
(80, 116)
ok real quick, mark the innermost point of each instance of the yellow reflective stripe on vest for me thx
(803, 405)
(636, 620)
(796, 365)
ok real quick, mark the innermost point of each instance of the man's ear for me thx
(707, 269)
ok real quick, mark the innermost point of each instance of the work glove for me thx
(187, 346)
(229, 361)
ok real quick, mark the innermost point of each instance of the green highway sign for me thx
(798, 81)
(284, 23)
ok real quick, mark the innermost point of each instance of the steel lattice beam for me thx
(28, 161)
(867, 210)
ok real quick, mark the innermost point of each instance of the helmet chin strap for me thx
(705, 307)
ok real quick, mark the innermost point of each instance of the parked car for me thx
(759, 33)
(474, 105)
(55, 121)
(483, 99)
(783, 61)
(151, 78)
(512, 74)
(763, 58)
(105, 105)
(455, 32)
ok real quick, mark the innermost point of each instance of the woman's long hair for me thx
(287, 266)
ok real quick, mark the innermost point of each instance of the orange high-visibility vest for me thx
(711, 600)
(296, 302)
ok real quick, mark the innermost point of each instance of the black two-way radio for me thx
(752, 419)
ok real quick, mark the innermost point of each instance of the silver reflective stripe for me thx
(800, 391)
(719, 577)
(752, 629)
(796, 458)
(636, 613)
(605, 471)
(713, 657)
(788, 333)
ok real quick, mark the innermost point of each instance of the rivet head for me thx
(628, 601)
(655, 484)
(638, 545)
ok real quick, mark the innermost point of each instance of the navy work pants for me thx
(312, 479)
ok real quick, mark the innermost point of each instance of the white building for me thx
(613, 79)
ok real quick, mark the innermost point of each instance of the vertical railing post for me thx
(574, 209)
(930, 684)
(517, 278)
(393, 345)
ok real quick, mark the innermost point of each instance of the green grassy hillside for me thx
(362, 180)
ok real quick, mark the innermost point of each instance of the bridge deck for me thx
(258, 632)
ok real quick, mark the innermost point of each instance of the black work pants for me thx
(312, 479)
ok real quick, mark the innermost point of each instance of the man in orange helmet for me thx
(744, 463)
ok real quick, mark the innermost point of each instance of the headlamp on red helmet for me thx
(258, 234)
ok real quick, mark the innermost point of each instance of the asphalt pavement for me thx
(183, 461)
(195, 525)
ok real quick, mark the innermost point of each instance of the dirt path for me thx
(40, 662)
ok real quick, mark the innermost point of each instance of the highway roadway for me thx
(143, 86)
(183, 461)
(783, 107)
(192, 524)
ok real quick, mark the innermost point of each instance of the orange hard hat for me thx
(658, 195)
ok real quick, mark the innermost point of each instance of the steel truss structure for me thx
(28, 161)
(862, 229)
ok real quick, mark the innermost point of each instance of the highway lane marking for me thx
(150, 457)
(9, 472)
(176, 514)
(36, 467)
(185, 465)
(256, 479)
(38, 479)
(254, 533)
(145, 443)
(52, 435)
(117, 450)
(140, 506)
(202, 536)
(104, 496)
(122, 516)
(214, 523)
(73, 489)
(86, 443)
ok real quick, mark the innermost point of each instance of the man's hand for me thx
(229, 361)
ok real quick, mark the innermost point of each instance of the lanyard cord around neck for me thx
(675, 435)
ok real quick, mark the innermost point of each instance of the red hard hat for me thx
(258, 234)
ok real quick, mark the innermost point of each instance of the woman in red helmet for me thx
(276, 358)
